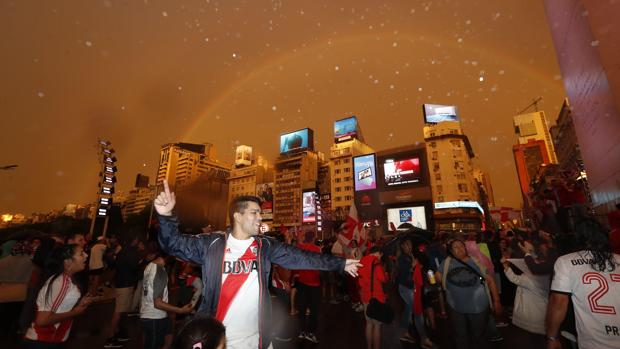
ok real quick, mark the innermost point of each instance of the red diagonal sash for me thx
(232, 284)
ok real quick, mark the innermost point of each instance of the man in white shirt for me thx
(236, 266)
(591, 279)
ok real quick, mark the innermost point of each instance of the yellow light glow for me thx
(7, 217)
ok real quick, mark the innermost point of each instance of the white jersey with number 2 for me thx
(596, 299)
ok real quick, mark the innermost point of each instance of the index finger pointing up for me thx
(166, 188)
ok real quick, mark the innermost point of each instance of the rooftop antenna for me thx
(533, 104)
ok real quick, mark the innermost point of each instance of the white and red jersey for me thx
(238, 306)
(596, 298)
(62, 297)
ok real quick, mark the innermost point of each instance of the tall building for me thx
(248, 177)
(348, 143)
(534, 126)
(565, 141)
(450, 157)
(199, 180)
(586, 36)
(294, 173)
(137, 199)
(183, 163)
(528, 158)
(456, 192)
(484, 179)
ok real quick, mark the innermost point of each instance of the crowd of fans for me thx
(477, 281)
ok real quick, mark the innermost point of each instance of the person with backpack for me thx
(470, 292)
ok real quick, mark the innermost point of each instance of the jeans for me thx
(407, 295)
(308, 297)
(470, 328)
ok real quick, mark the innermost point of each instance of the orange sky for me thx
(144, 73)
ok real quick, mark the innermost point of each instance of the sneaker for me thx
(122, 338)
(407, 338)
(282, 339)
(427, 344)
(312, 338)
(112, 343)
(501, 324)
(302, 335)
(359, 308)
(496, 339)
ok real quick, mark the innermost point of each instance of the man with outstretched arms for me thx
(236, 266)
(591, 278)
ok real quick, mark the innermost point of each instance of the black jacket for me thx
(208, 250)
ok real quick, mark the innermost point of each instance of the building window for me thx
(456, 143)
(440, 198)
(336, 162)
(348, 197)
(338, 189)
(338, 198)
(434, 155)
(337, 180)
(435, 166)
(460, 175)
(347, 187)
(346, 161)
(462, 188)
(337, 171)
(433, 144)
(438, 176)
(439, 189)
(457, 153)
(347, 169)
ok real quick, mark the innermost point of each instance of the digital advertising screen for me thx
(365, 173)
(404, 217)
(301, 139)
(400, 172)
(308, 207)
(435, 113)
(345, 128)
(265, 192)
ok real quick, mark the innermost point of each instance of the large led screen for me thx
(345, 128)
(365, 173)
(308, 207)
(301, 139)
(404, 217)
(434, 113)
(400, 172)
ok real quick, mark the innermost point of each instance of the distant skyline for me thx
(145, 73)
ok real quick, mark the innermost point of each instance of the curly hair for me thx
(593, 237)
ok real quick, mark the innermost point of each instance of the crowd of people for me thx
(214, 290)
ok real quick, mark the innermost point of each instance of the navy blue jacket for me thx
(208, 251)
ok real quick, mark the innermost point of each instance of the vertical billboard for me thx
(243, 155)
(297, 140)
(308, 207)
(364, 172)
(265, 192)
(436, 113)
(345, 129)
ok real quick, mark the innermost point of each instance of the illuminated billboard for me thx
(345, 129)
(265, 192)
(364, 172)
(435, 113)
(243, 155)
(308, 207)
(298, 140)
(404, 217)
(400, 172)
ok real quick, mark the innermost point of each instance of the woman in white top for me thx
(530, 305)
(58, 300)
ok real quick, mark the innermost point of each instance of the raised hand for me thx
(351, 266)
(164, 202)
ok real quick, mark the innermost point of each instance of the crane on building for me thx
(533, 104)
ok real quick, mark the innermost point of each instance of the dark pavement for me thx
(339, 328)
